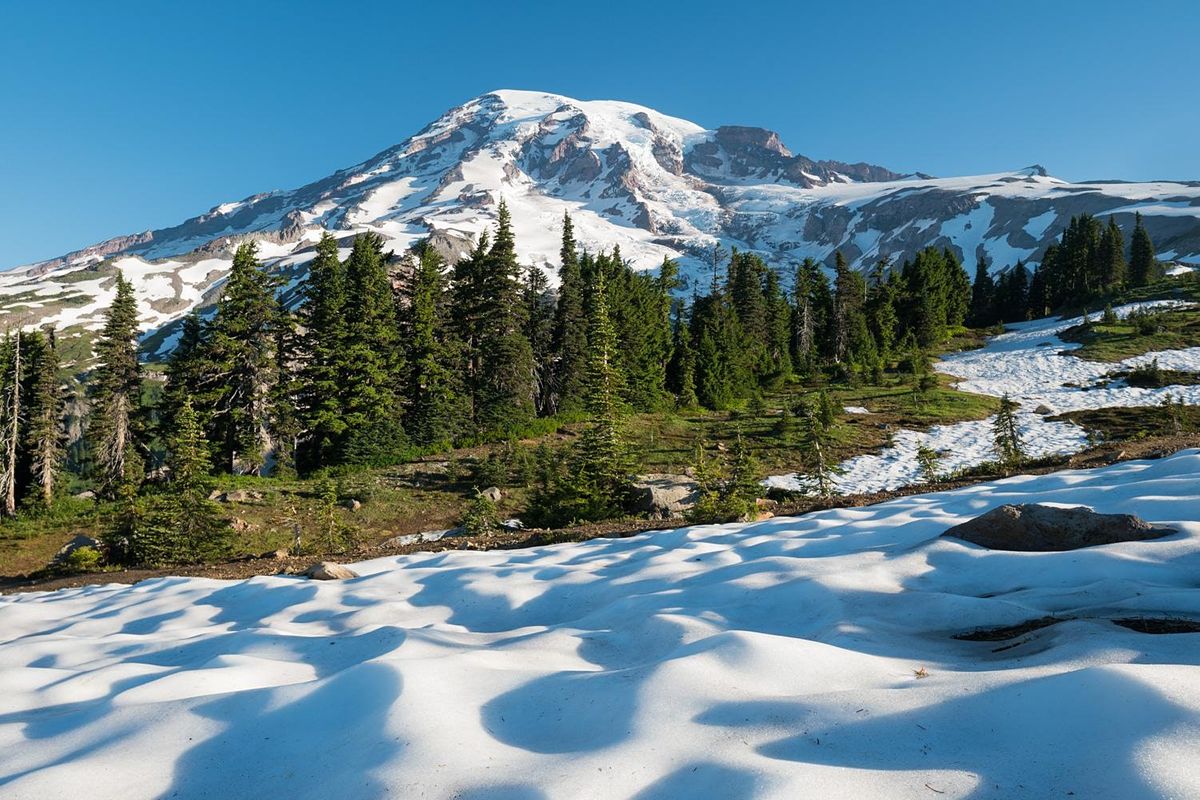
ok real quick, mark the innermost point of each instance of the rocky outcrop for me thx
(1032, 527)
(329, 571)
(664, 495)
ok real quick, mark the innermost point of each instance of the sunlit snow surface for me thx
(768, 660)
(1032, 365)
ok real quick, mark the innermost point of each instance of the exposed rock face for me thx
(665, 495)
(1031, 527)
(329, 571)
(77, 543)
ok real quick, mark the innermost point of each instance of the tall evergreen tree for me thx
(116, 423)
(1112, 257)
(241, 355)
(539, 330)
(1143, 266)
(569, 340)
(323, 316)
(434, 402)
(983, 296)
(506, 370)
(372, 359)
(43, 438)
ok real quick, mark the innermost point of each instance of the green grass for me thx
(1121, 340)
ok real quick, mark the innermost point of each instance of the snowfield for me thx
(1034, 367)
(779, 659)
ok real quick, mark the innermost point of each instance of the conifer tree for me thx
(983, 296)
(1112, 257)
(115, 425)
(601, 466)
(11, 418)
(324, 319)
(779, 327)
(814, 435)
(1143, 267)
(569, 339)
(241, 354)
(681, 372)
(882, 320)
(810, 317)
(184, 509)
(372, 359)
(434, 403)
(43, 436)
(1010, 451)
(505, 396)
(539, 330)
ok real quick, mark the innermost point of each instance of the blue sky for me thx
(119, 117)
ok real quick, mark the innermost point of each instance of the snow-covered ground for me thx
(777, 659)
(1032, 365)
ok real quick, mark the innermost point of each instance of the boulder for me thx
(1035, 528)
(78, 543)
(664, 495)
(86, 494)
(353, 505)
(235, 496)
(1043, 410)
(492, 493)
(329, 571)
(420, 538)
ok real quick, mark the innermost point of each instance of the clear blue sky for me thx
(118, 117)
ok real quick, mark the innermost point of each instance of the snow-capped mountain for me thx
(655, 185)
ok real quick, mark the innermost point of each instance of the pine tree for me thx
(928, 461)
(811, 312)
(434, 404)
(11, 436)
(882, 320)
(43, 437)
(194, 521)
(569, 339)
(324, 319)
(851, 338)
(1010, 451)
(1143, 266)
(681, 372)
(241, 352)
(743, 488)
(814, 435)
(115, 425)
(506, 370)
(539, 330)
(601, 459)
(372, 360)
(779, 327)
(983, 296)
(1112, 257)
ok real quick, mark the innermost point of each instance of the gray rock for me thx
(87, 494)
(235, 496)
(329, 571)
(1044, 410)
(665, 495)
(492, 493)
(78, 543)
(1031, 527)
(422, 537)
(353, 505)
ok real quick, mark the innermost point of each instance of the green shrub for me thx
(82, 559)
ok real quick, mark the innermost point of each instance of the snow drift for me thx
(794, 657)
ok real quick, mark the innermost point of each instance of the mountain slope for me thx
(631, 177)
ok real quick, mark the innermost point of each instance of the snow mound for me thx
(811, 656)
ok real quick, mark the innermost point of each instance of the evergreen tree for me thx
(184, 510)
(504, 400)
(681, 372)
(851, 337)
(811, 311)
(115, 427)
(881, 309)
(779, 327)
(241, 354)
(569, 340)
(434, 403)
(1112, 257)
(1143, 266)
(983, 296)
(323, 316)
(601, 461)
(539, 330)
(1010, 451)
(372, 359)
(11, 419)
(814, 438)
(43, 436)
(717, 376)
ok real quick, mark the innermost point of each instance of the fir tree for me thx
(372, 359)
(983, 296)
(241, 354)
(1010, 451)
(184, 510)
(504, 401)
(569, 339)
(1143, 267)
(681, 372)
(539, 330)
(323, 317)
(115, 425)
(1112, 257)
(434, 403)
(43, 436)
